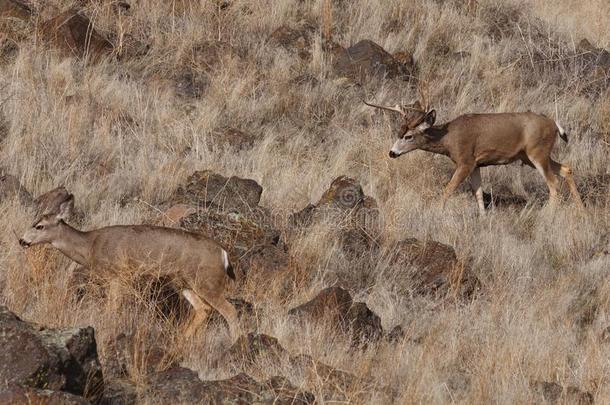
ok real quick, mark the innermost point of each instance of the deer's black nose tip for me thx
(23, 243)
(393, 154)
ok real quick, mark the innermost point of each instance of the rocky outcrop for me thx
(295, 39)
(180, 385)
(74, 34)
(365, 59)
(554, 393)
(335, 305)
(48, 359)
(438, 270)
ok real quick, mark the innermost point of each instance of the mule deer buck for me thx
(198, 266)
(473, 141)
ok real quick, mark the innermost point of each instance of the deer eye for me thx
(39, 227)
(407, 137)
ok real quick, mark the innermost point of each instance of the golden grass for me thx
(115, 134)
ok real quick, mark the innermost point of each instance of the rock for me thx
(236, 139)
(189, 83)
(17, 395)
(251, 349)
(53, 359)
(439, 272)
(594, 57)
(297, 40)
(335, 304)
(396, 334)
(406, 60)
(122, 353)
(74, 34)
(365, 59)
(49, 202)
(205, 188)
(554, 393)
(15, 9)
(119, 392)
(180, 385)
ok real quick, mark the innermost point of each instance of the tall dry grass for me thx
(116, 134)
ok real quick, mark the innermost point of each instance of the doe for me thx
(197, 265)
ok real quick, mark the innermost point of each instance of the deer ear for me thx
(430, 117)
(66, 208)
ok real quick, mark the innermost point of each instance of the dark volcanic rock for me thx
(554, 393)
(439, 272)
(15, 9)
(18, 395)
(336, 305)
(75, 35)
(297, 39)
(251, 348)
(205, 188)
(180, 385)
(366, 58)
(57, 360)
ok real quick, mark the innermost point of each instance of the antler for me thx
(397, 108)
(424, 96)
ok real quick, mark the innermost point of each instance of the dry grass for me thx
(115, 131)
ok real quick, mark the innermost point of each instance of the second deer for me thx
(199, 266)
(473, 141)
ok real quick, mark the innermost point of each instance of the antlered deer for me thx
(198, 266)
(473, 141)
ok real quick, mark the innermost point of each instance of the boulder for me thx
(74, 34)
(251, 349)
(595, 58)
(335, 304)
(365, 59)
(51, 359)
(295, 39)
(10, 187)
(235, 139)
(18, 395)
(122, 353)
(207, 189)
(15, 9)
(554, 393)
(438, 273)
(180, 385)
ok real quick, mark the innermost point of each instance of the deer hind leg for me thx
(475, 184)
(202, 311)
(566, 173)
(544, 167)
(227, 310)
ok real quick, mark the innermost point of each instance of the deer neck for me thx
(436, 140)
(74, 244)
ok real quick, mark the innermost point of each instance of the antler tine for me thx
(424, 96)
(397, 108)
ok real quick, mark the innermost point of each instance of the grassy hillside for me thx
(123, 132)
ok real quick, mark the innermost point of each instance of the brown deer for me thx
(198, 266)
(473, 141)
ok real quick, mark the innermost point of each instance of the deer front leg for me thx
(461, 172)
(475, 184)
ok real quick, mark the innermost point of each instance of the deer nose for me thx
(24, 243)
(393, 154)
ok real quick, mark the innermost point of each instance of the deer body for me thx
(473, 141)
(198, 266)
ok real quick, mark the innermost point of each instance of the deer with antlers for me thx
(473, 141)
